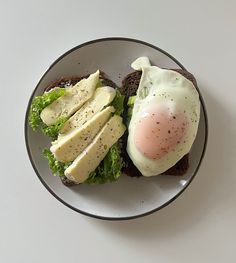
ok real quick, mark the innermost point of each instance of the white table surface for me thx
(200, 226)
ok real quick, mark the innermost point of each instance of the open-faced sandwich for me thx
(162, 115)
(87, 117)
(82, 115)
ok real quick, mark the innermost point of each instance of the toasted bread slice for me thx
(66, 82)
(129, 88)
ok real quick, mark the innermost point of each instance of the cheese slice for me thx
(74, 97)
(102, 97)
(91, 157)
(68, 148)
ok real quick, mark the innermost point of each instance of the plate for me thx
(127, 198)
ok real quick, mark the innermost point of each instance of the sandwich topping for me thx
(165, 117)
(74, 97)
(87, 125)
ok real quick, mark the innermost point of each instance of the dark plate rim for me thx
(45, 184)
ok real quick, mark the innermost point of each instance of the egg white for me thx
(168, 88)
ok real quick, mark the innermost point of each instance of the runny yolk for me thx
(160, 131)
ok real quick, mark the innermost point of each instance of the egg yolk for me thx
(160, 131)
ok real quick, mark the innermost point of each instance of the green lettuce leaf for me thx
(57, 168)
(38, 104)
(118, 103)
(130, 105)
(99, 84)
(53, 130)
(109, 169)
(131, 100)
(41, 102)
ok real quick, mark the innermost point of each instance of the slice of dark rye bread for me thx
(64, 82)
(129, 88)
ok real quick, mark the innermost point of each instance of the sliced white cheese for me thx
(91, 157)
(102, 97)
(74, 97)
(68, 148)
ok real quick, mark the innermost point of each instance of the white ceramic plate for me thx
(128, 197)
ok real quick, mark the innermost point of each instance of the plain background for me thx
(200, 225)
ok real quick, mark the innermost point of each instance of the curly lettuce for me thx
(57, 168)
(130, 105)
(53, 130)
(99, 83)
(41, 102)
(109, 169)
(118, 103)
(37, 105)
